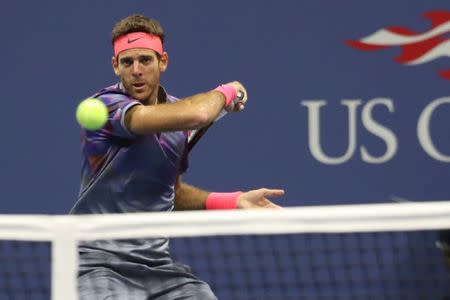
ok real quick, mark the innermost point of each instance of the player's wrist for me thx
(222, 200)
(229, 91)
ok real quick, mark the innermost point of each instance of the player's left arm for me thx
(188, 197)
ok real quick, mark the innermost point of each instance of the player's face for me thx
(139, 71)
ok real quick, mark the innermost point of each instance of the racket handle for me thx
(239, 97)
(238, 100)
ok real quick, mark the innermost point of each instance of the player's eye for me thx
(145, 60)
(126, 62)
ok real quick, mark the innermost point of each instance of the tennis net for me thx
(370, 251)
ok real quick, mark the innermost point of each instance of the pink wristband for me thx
(228, 91)
(222, 200)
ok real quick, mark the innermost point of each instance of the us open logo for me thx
(417, 48)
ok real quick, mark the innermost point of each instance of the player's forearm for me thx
(188, 197)
(190, 113)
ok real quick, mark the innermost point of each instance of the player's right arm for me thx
(190, 113)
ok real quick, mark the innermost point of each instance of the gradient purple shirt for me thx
(123, 172)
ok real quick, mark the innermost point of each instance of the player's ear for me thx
(164, 62)
(115, 65)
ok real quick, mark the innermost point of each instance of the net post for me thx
(64, 259)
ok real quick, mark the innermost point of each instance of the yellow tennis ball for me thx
(92, 114)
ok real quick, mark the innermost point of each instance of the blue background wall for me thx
(56, 53)
(286, 52)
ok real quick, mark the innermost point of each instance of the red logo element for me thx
(417, 48)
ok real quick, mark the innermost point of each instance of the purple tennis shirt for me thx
(123, 172)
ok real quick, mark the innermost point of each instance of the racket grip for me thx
(237, 101)
(239, 97)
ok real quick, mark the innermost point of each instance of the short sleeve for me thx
(118, 105)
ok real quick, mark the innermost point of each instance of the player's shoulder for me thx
(112, 95)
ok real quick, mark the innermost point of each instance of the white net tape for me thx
(65, 231)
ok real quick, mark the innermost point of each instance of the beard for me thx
(142, 93)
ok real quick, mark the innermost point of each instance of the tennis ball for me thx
(92, 114)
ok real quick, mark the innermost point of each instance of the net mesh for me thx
(374, 265)
(341, 252)
(25, 270)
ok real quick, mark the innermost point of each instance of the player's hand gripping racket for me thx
(195, 135)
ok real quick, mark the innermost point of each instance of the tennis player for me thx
(134, 164)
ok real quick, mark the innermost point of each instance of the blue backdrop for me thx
(327, 120)
(289, 54)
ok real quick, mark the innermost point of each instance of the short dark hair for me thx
(137, 23)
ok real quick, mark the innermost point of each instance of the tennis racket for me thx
(195, 135)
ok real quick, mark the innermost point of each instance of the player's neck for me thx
(153, 99)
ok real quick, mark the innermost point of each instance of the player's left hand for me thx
(258, 198)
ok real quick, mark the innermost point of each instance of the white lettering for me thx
(423, 130)
(314, 144)
(380, 131)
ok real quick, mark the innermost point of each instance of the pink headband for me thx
(138, 40)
